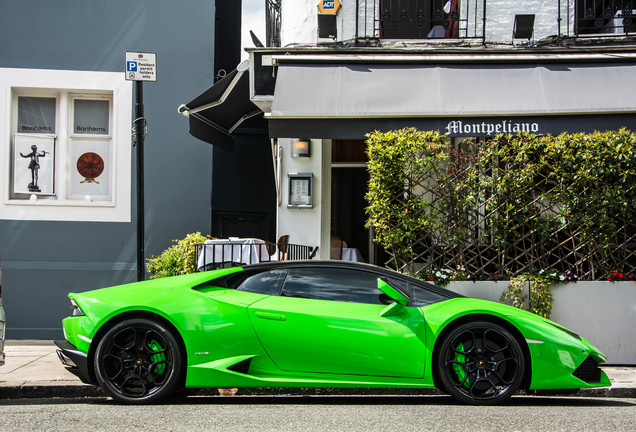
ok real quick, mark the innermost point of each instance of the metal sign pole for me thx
(140, 67)
(140, 126)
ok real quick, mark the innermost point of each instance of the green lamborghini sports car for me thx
(315, 324)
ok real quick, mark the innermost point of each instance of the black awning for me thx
(217, 112)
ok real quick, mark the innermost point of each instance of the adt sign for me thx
(329, 7)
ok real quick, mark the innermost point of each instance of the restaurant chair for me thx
(271, 249)
(282, 243)
(336, 248)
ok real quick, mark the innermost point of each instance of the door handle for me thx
(271, 316)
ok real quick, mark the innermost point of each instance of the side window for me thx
(423, 296)
(268, 282)
(333, 284)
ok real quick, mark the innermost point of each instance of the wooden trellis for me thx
(485, 218)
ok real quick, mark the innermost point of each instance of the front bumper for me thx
(75, 361)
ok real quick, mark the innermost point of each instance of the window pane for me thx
(333, 284)
(91, 117)
(423, 296)
(264, 283)
(36, 115)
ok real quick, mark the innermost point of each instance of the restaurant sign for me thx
(490, 128)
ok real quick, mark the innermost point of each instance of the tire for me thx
(480, 363)
(139, 361)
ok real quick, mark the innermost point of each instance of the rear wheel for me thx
(480, 363)
(138, 361)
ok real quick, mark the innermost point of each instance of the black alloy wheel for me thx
(138, 361)
(480, 363)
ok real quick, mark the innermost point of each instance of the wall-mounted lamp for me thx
(301, 148)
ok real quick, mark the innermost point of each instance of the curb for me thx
(88, 391)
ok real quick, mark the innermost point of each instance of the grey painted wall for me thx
(43, 261)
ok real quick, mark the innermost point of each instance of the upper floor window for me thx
(605, 17)
(419, 19)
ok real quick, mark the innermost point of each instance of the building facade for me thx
(467, 68)
(67, 158)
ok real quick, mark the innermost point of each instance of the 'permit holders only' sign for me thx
(329, 7)
(141, 66)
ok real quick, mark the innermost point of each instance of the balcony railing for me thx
(463, 19)
(420, 19)
(604, 17)
(228, 253)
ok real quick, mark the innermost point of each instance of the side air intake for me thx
(588, 371)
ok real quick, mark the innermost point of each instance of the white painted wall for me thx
(307, 226)
(604, 313)
(299, 19)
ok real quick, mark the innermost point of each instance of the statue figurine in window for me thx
(34, 166)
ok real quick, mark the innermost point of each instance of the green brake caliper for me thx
(460, 371)
(160, 357)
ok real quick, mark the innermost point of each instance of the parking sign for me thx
(141, 66)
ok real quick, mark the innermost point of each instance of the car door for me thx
(327, 320)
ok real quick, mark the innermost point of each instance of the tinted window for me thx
(268, 282)
(423, 296)
(334, 284)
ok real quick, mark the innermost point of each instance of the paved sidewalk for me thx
(32, 370)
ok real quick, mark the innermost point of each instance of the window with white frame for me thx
(82, 151)
(67, 149)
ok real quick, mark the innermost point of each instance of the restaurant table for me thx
(351, 254)
(233, 250)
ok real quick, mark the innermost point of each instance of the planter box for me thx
(604, 313)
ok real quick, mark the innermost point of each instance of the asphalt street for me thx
(320, 413)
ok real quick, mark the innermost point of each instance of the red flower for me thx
(431, 278)
(615, 272)
(609, 278)
(620, 275)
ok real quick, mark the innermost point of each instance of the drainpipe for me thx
(559, 20)
(483, 31)
(357, 19)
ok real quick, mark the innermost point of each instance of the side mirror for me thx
(400, 299)
(395, 294)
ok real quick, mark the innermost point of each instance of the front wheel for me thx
(480, 363)
(138, 361)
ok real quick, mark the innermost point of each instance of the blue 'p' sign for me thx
(131, 66)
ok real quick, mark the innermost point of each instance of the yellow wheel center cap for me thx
(138, 362)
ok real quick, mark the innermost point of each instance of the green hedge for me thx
(524, 202)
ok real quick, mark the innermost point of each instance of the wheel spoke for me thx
(482, 363)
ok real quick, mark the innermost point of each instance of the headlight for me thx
(76, 311)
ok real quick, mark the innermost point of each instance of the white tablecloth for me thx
(351, 254)
(236, 250)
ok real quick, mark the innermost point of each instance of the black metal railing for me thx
(272, 22)
(220, 254)
(420, 19)
(604, 17)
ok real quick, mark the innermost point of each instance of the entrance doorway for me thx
(349, 183)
